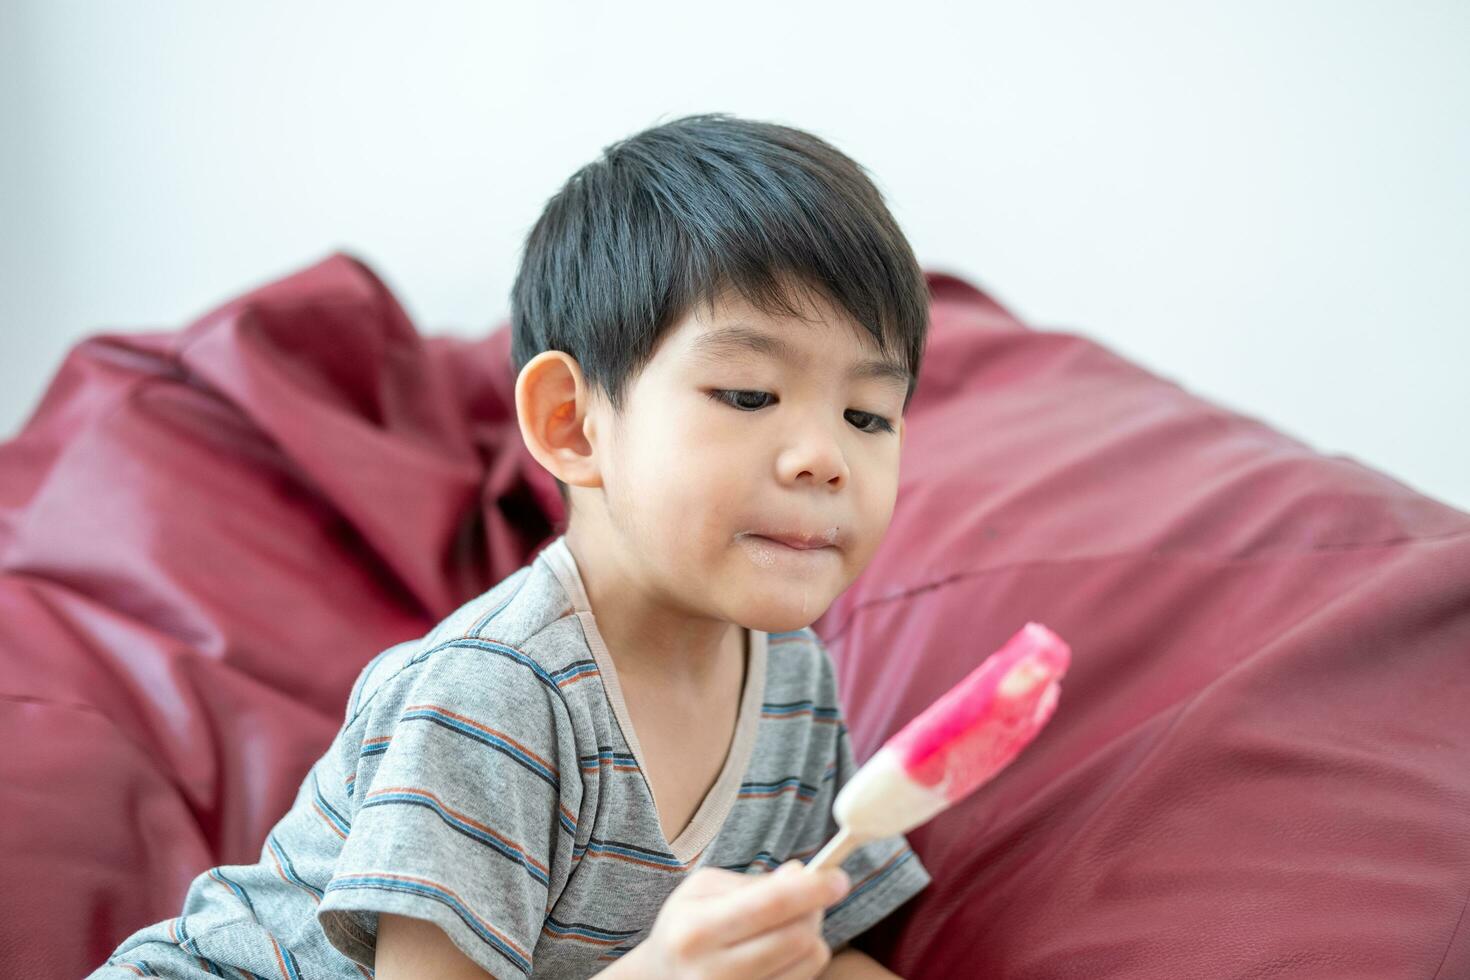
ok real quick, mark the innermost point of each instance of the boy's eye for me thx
(743, 398)
(866, 420)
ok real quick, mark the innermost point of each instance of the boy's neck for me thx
(644, 636)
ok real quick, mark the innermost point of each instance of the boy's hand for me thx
(720, 924)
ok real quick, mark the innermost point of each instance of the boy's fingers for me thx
(715, 881)
(773, 900)
(781, 952)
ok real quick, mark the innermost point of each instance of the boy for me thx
(717, 327)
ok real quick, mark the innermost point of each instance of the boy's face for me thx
(753, 469)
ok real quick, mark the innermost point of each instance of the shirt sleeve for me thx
(884, 873)
(463, 807)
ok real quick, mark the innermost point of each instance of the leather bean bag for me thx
(1258, 768)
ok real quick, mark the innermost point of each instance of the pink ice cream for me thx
(955, 745)
(983, 722)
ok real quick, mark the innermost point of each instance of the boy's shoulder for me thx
(529, 610)
(523, 629)
(799, 661)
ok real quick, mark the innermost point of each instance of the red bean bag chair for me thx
(1258, 767)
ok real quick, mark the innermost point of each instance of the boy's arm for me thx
(410, 948)
(850, 964)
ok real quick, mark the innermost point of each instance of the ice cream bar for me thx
(954, 746)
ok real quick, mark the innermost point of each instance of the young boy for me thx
(717, 329)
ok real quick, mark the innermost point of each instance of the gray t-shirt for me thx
(487, 778)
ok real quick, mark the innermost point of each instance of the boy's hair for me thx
(670, 218)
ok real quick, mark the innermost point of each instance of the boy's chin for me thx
(783, 613)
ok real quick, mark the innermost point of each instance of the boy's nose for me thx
(816, 462)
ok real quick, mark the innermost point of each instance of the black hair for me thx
(671, 217)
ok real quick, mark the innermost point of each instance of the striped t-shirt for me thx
(487, 779)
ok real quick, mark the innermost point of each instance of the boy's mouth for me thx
(797, 540)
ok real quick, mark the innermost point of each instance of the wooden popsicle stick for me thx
(836, 851)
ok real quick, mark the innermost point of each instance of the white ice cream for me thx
(881, 800)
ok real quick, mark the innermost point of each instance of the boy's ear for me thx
(552, 399)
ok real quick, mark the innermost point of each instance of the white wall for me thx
(1267, 202)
